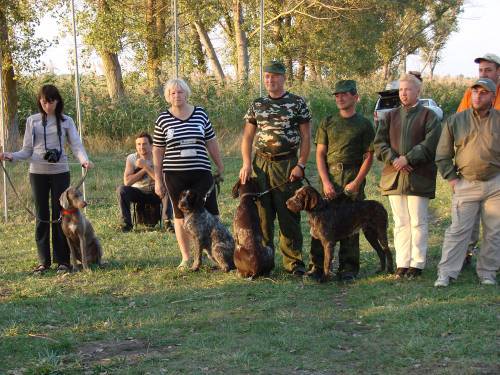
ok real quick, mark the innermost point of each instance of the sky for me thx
(477, 34)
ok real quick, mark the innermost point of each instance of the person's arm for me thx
(76, 144)
(246, 151)
(445, 154)
(214, 152)
(322, 167)
(305, 148)
(157, 163)
(382, 143)
(130, 175)
(354, 185)
(27, 149)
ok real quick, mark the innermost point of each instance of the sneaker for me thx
(400, 272)
(40, 269)
(413, 273)
(442, 281)
(126, 228)
(347, 277)
(184, 265)
(487, 281)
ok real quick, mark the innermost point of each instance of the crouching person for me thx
(139, 183)
(468, 156)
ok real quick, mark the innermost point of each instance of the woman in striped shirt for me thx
(183, 141)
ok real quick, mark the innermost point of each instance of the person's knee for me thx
(121, 190)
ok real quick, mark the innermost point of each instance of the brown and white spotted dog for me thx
(207, 231)
(83, 243)
(251, 257)
(332, 221)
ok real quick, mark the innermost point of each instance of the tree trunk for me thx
(9, 89)
(111, 64)
(152, 52)
(301, 71)
(385, 71)
(199, 56)
(209, 49)
(113, 74)
(241, 42)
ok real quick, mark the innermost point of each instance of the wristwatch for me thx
(301, 166)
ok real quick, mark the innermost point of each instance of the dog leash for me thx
(26, 207)
(216, 184)
(258, 195)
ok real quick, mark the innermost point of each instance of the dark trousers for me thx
(43, 185)
(129, 194)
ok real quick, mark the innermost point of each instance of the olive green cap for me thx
(485, 83)
(275, 67)
(346, 85)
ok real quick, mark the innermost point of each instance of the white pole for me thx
(176, 38)
(261, 45)
(2, 121)
(77, 87)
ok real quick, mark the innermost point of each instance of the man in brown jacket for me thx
(406, 143)
(468, 156)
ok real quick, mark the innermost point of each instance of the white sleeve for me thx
(75, 142)
(27, 150)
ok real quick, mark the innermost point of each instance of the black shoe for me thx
(347, 277)
(400, 272)
(413, 273)
(316, 275)
(126, 228)
(298, 271)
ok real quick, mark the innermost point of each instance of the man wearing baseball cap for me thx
(344, 155)
(468, 156)
(280, 124)
(489, 67)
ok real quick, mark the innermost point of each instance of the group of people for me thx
(410, 142)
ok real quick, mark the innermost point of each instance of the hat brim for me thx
(484, 86)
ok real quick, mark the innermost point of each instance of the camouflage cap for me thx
(274, 66)
(491, 57)
(485, 83)
(347, 85)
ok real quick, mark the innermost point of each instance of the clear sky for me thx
(477, 35)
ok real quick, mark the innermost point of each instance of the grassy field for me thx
(139, 315)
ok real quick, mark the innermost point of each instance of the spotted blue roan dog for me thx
(207, 231)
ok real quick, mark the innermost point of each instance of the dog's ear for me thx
(236, 189)
(63, 199)
(311, 199)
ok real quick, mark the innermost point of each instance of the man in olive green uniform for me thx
(280, 125)
(344, 155)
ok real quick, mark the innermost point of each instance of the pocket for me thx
(389, 178)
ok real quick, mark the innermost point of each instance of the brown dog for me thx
(251, 257)
(331, 221)
(83, 243)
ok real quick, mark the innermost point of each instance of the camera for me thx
(52, 156)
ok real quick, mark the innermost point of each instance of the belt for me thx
(342, 166)
(277, 157)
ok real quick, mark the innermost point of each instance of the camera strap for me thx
(44, 124)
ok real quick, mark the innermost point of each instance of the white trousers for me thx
(471, 197)
(411, 230)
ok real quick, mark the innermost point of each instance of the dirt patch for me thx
(128, 351)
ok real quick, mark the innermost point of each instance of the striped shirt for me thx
(184, 140)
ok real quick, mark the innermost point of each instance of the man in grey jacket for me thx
(468, 156)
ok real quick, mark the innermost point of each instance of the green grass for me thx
(139, 315)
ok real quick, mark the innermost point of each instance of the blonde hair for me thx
(408, 77)
(172, 84)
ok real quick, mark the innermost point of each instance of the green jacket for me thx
(470, 146)
(413, 133)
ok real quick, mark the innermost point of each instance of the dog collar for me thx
(69, 212)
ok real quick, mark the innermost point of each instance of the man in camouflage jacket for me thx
(280, 125)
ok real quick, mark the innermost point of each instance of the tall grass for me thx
(225, 103)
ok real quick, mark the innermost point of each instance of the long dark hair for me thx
(50, 92)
